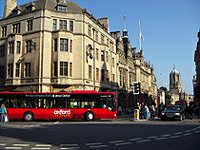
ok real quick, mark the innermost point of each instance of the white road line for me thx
(98, 146)
(2, 144)
(178, 133)
(22, 145)
(187, 134)
(152, 137)
(176, 136)
(91, 144)
(117, 141)
(161, 138)
(13, 148)
(70, 148)
(124, 143)
(68, 145)
(197, 131)
(187, 130)
(143, 141)
(57, 122)
(166, 135)
(40, 148)
(43, 145)
(135, 139)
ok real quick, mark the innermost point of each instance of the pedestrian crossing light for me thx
(136, 88)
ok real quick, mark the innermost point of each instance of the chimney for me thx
(105, 22)
(9, 6)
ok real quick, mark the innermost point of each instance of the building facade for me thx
(55, 45)
(133, 68)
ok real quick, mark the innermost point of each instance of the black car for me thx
(173, 112)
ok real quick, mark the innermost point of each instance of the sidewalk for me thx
(130, 117)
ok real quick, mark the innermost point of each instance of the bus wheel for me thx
(28, 116)
(89, 116)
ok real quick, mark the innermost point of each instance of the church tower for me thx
(175, 82)
(9, 6)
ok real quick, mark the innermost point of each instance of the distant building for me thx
(175, 86)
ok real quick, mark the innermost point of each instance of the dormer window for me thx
(16, 11)
(30, 7)
(62, 8)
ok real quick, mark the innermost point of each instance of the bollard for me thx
(136, 114)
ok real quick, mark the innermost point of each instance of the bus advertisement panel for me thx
(85, 105)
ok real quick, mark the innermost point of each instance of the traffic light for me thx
(136, 88)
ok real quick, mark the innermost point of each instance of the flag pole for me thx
(140, 36)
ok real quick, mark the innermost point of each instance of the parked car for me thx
(173, 112)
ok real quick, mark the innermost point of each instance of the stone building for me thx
(54, 45)
(133, 68)
(175, 86)
(196, 80)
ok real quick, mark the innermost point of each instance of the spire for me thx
(125, 23)
(125, 32)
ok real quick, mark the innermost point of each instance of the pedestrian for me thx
(120, 110)
(3, 113)
(152, 111)
(146, 112)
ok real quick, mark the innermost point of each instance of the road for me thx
(120, 134)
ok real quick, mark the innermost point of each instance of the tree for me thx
(168, 98)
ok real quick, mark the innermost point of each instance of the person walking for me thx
(146, 112)
(120, 110)
(3, 113)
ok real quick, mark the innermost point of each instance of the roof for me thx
(174, 71)
(51, 5)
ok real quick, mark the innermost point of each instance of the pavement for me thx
(130, 117)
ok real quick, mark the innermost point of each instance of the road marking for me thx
(152, 137)
(13, 147)
(22, 145)
(161, 138)
(40, 148)
(176, 136)
(91, 144)
(197, 131)
(166, 135)
(135, 139)
(187, 130)
(65, 145)
(124, 143)
(178, 133)
(43, 145)
(143, 141)
(187, 134)
(69, 146)
(118, 141)
(98, 146)
(2, 144)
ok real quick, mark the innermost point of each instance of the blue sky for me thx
(169, 28)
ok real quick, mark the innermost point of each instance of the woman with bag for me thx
(3, 113)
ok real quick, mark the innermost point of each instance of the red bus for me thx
(85, 105)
